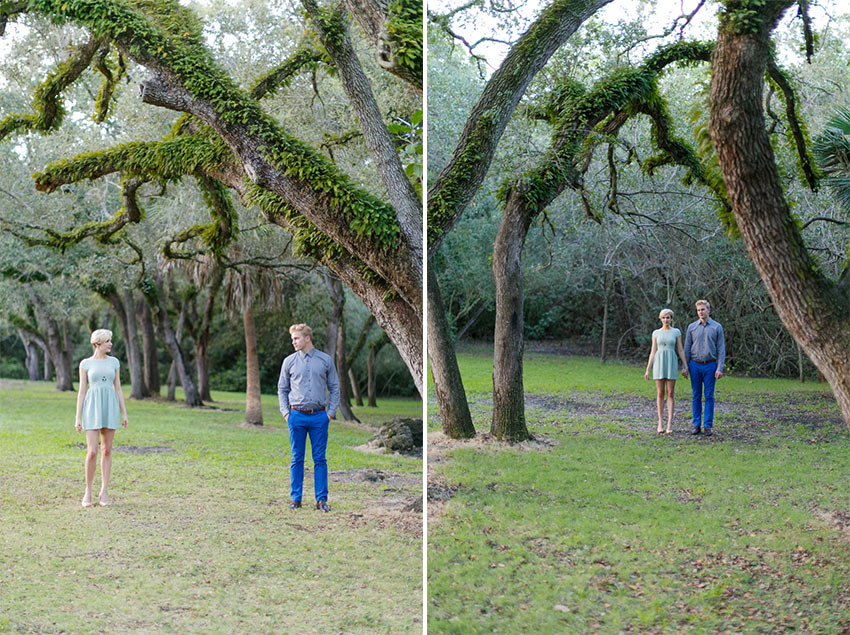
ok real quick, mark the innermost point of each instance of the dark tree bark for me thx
(253, 402)
(149, 351)
(813, 309)
(455, 419)
(508, 422)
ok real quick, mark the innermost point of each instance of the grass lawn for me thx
(198, 537)
(602, 526)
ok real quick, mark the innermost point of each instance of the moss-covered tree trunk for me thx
(253, 402)
(455, 419)
(508, 422)
(813, 309)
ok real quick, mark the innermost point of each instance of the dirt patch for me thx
(128, 449)
(399, 504)
(439, 443)
(749, 419)
(137, 449)
(836, 517)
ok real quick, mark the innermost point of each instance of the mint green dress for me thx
(666, 362)
(101, 408)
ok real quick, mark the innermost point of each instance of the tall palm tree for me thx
(245, 287)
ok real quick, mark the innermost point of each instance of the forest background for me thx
(62, 291)
(636, 232)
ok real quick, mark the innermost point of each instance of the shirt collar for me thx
(302, 354)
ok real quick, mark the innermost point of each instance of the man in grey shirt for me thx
(308, 392)
(705, 352)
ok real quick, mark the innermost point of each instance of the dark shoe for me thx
(294, 504)
(322, 506)
(696, 431)
(708, 432)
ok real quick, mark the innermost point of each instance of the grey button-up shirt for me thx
(705, 342)
(308, 381)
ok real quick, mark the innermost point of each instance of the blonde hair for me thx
(100, 336)
(665, 312)
(305, 330)
(703, 302)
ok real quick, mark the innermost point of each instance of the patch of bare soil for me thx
(136, 449)
(128, 449)
(399, 504)
(747, 420)
(836, 517)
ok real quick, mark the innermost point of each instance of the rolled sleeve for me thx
(333, 389)
(283, 389)
(721, 348)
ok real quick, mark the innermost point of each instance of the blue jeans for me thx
(702, 375)
(315, 425)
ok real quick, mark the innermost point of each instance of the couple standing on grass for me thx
(308, 391)
(702, 355)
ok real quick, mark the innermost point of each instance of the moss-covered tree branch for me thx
(47, 101)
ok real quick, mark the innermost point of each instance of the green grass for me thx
(613, 529)
(198, 538)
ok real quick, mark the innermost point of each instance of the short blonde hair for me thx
(665, 312)
(305, 330)
(704, 303)
(100, 336)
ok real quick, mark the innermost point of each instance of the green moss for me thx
(304, 59)
(742, 16)
(151, 160)
(112, 73)
(443, 207)
(575, 112)
(404, 30)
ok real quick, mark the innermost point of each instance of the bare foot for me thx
(103, 500)
(669, 431)
(86, 501)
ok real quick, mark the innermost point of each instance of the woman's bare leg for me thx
(106, 437)
(671, 402)
(659, 402)
(90, 463)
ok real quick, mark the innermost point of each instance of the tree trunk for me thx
(125, 310)
(253, 403)
(156, 299)
(813, 309)
(355, 389)
(48, 370)
(149, 352)
(54, 340)
(202, 342)
(32, 361)
(138, 389)
(172, 372)
(448, 385)
(371, 380)
(336, 334)
(508, 395)
(603, 349)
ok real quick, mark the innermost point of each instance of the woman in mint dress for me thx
(663, 362)
(100, 410)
